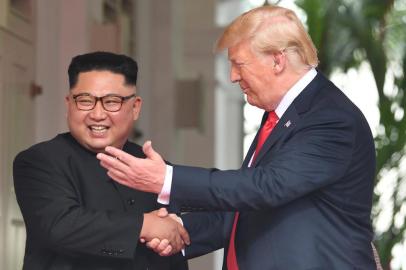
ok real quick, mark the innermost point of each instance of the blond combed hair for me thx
(272, 29)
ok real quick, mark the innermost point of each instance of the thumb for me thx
(149, 151)
(162, 212)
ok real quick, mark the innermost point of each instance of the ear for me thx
(67, 101)
(136, 107)
(279, 61)
(66, 105)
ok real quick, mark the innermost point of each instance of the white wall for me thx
(62, 32)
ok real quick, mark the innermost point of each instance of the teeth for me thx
(98, 128)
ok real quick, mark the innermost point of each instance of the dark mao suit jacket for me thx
(76, 216)
(304, 204)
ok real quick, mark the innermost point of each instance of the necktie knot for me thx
(272, 119)
(266, 129)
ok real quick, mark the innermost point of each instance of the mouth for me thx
(245, 90)
(98, 129)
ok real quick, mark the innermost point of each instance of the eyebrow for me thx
(109, 94)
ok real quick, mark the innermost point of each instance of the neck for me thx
(291, 77)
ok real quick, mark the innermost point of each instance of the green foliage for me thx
(347, 33)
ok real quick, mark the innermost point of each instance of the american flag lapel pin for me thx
(288, 123)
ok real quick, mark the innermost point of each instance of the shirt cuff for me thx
(181, 222)
(164, 196)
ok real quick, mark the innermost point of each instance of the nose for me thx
(235, 75)
(98, 112)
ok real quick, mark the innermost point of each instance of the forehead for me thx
(240, 52)
(100, 77)
(101, 83)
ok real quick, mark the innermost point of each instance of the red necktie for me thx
(263, 135)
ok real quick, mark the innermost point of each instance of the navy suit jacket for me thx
(305, 202)
(76, 216)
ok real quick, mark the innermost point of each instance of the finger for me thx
(162, 246)
(162, 212)
(150, 152)
(120, 180)
(120, 155)
(177, 243)
(109, 162)
(153, 244)
(104, 157)
(184, 234)
(105, 165)
(142, 240)
(117, 175)
(167, 251)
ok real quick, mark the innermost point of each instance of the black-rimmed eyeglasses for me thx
(111, 103)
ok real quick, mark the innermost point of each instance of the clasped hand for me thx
(163, 232)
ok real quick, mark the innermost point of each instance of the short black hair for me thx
(100, 61)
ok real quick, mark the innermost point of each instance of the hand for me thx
(162, 247)
(138, 173)
(165, 235)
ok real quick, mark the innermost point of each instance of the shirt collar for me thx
(293, 92)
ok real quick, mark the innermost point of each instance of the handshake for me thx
(164, 232)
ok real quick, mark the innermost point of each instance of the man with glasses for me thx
(76, 216)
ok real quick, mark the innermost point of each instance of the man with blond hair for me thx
(303, 196)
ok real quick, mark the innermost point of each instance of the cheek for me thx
(122, 120)
(251, 77)
(75, 118)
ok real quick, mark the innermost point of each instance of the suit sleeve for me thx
(314, 155)
(206, 232)
(55, 217)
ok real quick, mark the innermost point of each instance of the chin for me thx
(98, 147)
(253, 103)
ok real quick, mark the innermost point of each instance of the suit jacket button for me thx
(131, 201)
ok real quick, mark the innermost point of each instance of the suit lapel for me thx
(290, 118)
(284, 126)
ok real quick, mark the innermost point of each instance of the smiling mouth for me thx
(98, 129)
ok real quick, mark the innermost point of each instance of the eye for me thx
(112, 100)
(84, 100)
(239, 64)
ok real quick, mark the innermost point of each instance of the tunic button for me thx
(131, 201)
